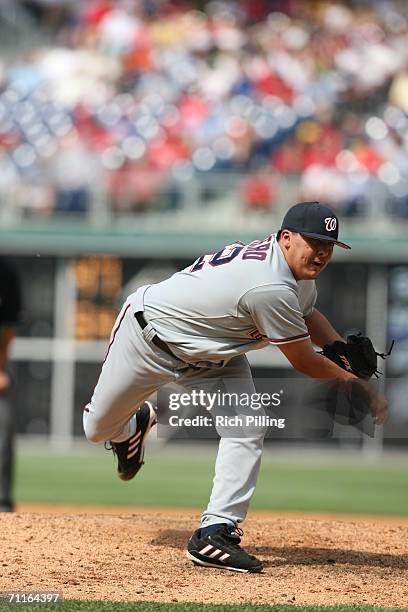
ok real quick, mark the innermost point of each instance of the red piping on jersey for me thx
(288, 339)
(115, 332)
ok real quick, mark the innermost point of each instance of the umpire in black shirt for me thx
(9, 317)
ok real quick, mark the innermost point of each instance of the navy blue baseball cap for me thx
(314, 220)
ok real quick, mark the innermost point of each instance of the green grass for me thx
(184, 480)
(99, 606)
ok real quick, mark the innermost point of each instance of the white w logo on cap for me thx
(331, 223)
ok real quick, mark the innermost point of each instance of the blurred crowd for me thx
(132, 99)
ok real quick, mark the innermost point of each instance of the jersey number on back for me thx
(257, 249)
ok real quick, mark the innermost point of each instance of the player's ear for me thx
(284, 238)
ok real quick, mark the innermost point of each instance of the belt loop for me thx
(148, 333)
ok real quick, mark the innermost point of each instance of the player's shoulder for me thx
(270, 293)
(307, 286)
(274, 277)
(307, 283)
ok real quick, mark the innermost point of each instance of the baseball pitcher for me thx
(195, 328)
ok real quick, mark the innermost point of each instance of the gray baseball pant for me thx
(135, 368)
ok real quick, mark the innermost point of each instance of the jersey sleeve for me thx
(307, 297)
(276, 313)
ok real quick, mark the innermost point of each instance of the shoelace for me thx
(239, 532)
(235, 537)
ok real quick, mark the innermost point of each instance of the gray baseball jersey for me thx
(225, 304)
(231, 302)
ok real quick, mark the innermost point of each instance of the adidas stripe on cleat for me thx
(130, 454)
(133, 445)
(221, 550)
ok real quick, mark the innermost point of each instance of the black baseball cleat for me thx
(222, 550)
(131, 452)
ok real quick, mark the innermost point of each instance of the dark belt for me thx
(156, 340)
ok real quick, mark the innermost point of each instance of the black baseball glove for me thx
(357, 355)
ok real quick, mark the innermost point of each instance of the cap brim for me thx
(343, 245)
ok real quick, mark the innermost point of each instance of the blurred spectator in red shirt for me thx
(259, 190)
(135, 187)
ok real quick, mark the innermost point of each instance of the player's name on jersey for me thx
(237, 420)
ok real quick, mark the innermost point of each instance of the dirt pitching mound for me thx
(136, 557)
